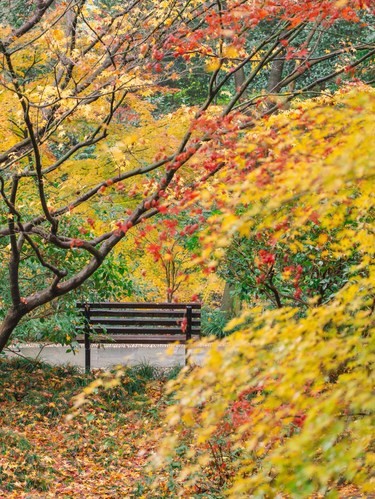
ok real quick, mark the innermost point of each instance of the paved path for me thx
(106, 356)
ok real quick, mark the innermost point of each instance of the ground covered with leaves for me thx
(101, 452)
(49, 449)
(66, 434)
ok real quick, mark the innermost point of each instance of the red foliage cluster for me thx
(154, 249)
(266, 258)
(233, 21)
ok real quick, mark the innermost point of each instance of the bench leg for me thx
(87, 353)
(189, 316)
(87, 339)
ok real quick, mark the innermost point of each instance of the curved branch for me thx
(41, 9)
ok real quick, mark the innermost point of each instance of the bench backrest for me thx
(143, 318)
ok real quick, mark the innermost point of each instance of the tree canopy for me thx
(83, 114)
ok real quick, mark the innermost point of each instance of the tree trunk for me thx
(239, 78)
(276, 75)
(230, 304)
(7, 326)
(274, 80)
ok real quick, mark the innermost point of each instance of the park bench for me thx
(137, 323)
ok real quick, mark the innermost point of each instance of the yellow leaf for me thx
(212, 65)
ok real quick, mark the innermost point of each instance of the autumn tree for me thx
(283, 405)
(75, 78)
(165, 256)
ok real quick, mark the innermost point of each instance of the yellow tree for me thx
(165, 264)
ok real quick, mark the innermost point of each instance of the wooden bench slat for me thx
(134, 330)
(140, 313)
(167, 321)
(142, 305)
